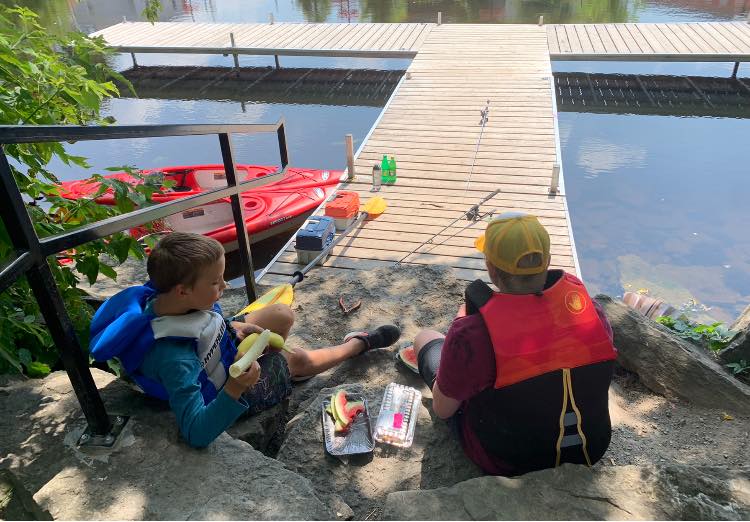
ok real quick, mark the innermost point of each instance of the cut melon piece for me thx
(353, 408)
(340, 428)
(409, 357)
(339, 408)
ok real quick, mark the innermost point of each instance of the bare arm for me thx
(443, 405)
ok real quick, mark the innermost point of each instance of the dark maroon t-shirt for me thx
(467, 367)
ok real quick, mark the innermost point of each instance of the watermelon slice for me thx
(409, 357)
(353, 408)
(338, 407)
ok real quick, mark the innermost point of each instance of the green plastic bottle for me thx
(385, 170)
(392, 169)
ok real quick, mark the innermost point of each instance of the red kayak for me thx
(269, 209)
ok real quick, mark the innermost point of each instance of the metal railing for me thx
(31, 252)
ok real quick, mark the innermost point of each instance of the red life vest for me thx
(533, 335)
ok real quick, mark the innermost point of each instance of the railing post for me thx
(541, 20)
(736, 68)
(440, 17)
(135, 63)
(283, 151)
(23, 236)
(243, 242)
(236, 60)
(349, 141)
(270, 18)
(554, 185)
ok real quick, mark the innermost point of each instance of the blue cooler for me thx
(317, 235)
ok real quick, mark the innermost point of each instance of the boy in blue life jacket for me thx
(523, 374)
(172, 340)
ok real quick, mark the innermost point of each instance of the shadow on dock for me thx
(652, 94)
(357, 87)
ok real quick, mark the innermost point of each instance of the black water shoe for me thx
(381, 337)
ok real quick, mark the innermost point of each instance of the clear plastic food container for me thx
(398, 415)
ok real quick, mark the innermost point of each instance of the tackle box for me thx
(316, 236)
(344, 208)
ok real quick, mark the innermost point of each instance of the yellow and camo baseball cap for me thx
(510, 237)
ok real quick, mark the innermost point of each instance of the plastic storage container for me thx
(343, 208)
(398, 415)
(311, 240)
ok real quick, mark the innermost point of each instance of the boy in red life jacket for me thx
(523, 374)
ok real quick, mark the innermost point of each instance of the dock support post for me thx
(736, 68)
(236, 59)
(270, 18)
(440, 17)
(554, 185)
(541, 20)
(349, 142)
(135, 64)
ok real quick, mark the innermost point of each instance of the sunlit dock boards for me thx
(690, 42)
(290, 39)
(431, 126)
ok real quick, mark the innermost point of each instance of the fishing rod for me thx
(485, 116)
(472, 214)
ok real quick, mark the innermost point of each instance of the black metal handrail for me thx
(31, 253)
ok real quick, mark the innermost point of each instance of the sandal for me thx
(381, 337)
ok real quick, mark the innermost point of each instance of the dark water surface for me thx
(657, 203)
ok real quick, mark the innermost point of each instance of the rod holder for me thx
(236, 59)
(541, 20)
(349, 142)
(554, 185)
(440, 17)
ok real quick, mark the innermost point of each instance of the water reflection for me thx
(657, 204)
(90, 15)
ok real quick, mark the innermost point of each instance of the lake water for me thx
(657, 203)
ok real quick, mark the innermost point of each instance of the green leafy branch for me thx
(52, 79)
(714, 336)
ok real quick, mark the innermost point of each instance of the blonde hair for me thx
(523, 284)
(180, 257)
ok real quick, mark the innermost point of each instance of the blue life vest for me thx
(123, 328)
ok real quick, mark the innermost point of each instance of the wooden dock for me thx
(431, 124)
(281, 39)
(692, 42)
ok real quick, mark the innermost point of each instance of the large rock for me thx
(263, 431)
(152, 474)
(739, 349)
(669, 365)
(578, 493)
(16, 503)
(435, 458)
(743, 321)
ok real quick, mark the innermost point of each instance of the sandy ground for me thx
(646, 427)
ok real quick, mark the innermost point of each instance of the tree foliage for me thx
(48, 79)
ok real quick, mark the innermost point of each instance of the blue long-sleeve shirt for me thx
(175, 365)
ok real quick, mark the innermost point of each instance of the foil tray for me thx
(359, 437)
